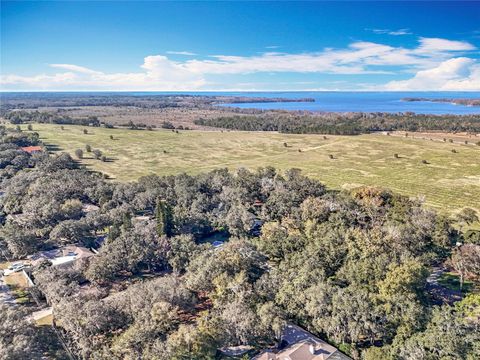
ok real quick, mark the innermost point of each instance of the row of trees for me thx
(345, 124)
(48, 117)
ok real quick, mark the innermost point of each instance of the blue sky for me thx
(240, 45)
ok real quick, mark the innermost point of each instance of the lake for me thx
(327, 101)
(364, 102)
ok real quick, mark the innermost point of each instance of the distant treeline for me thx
(11, 101)
(467, 102)
(20, 117)
(346, 124)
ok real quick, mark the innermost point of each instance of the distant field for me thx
(449, 181)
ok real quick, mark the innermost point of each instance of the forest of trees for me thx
(345, 124)
(48, 117)
(349, 266)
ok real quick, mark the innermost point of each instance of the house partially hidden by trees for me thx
(32, 149)
(299, 344)
(64, 256)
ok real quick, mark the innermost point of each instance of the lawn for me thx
(448, 181)
(452, 281)
(16, 280)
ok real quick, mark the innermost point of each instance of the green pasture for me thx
(448, 181)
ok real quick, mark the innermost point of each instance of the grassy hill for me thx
(449, 181)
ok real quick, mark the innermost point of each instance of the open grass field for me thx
(449, 181)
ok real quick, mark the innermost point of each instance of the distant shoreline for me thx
(466, 102)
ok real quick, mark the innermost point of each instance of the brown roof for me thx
(301, 345)
(266, 355)
(308, 350)
(31, 149)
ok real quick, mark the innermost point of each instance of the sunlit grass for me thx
(449, 181)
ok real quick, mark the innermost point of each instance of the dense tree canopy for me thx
(345, 124)
(349, 266)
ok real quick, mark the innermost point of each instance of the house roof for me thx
(266, 355)
(31, 149)
(87, 208)
(62, 255)
(301, 345)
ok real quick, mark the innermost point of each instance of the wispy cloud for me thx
(391, 32)
(75, 68)
(429, 45)
(272, 47)
(432, 58)
(186, 53)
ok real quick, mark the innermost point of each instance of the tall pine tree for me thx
(164, 218)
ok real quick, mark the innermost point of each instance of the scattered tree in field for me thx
(467, 216)
(324, 137)
(450, 140)
(85, 131)
(396, 156)
(454, 151)
(132, 125)
(424, 162)
(18, 128)
(97, 153)
(285, 144)
(478, 143)
(62, 127)
(111, 137)
(331, 156)
(466, 142)
(103, 158)
(444, 140)
(168, 125)
(88, 148)
(29, 127)
(299, 150)
(164, 218)
(79, 153)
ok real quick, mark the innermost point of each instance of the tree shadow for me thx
(53, 147)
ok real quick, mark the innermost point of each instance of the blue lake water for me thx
(367, 102)
(326, 101)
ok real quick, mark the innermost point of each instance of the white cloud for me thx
(454, 74)
(74, 68)
(429, 61)
(430, 45)
(391, 32)
(187, 53)
(159, 73)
